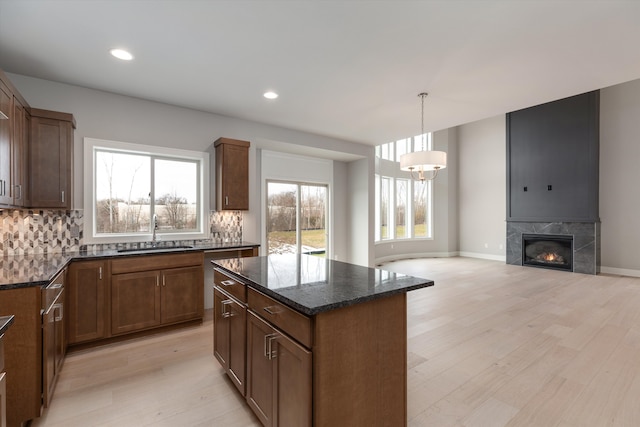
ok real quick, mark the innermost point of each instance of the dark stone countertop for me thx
(313, 285)
(21, 271)
(5, 322)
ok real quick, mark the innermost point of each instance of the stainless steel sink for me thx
(157, 248)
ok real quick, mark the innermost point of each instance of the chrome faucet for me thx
(155, 227)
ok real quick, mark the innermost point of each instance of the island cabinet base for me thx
(360, 364)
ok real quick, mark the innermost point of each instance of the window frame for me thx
(388, 170)
(299, 185)
(202, 160)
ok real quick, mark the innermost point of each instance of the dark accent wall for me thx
(552, 161)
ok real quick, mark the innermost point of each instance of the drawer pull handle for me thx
(226, 314)
(273, 310)
(269, 353)
(228, 283)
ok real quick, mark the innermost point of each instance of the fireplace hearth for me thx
(548, 251)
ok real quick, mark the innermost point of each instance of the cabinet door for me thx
(293, 373)
(232, 174)
(182, 294)
(48, 354)
(61, 343)
(221, 328)
(50, 161)
(229, 344)
(86, 308)
(260, 369)
(3, 399)
(6, 110)
(135, 301)
(19, 153)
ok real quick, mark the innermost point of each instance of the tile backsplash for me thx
(31, 232)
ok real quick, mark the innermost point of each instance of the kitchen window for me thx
(128, 185)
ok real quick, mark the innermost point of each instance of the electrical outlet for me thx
(486, 245)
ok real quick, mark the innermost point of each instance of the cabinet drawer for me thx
(234, 287)
(155, 262)
(290, 321)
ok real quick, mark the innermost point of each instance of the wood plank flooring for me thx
(490, 345)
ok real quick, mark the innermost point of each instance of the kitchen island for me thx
(326, 341)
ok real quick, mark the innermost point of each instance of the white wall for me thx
(482, 188)
(620, 178)
(115, 117)
(360, 205)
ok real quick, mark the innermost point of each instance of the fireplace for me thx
(548, 251)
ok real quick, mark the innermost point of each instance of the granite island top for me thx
(5, 322)
(313, 285)
(19, 271)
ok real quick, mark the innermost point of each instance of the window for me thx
(296, 218)
(128, 184)
(403, 204)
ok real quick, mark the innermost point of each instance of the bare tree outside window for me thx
(125, 183)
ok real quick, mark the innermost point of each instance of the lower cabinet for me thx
(279, 373)
(229, 336)
(271, 368)
(3, 386)
(54, 345)
(155, 297)
(3, 399)
(135, 301)
(86, 297)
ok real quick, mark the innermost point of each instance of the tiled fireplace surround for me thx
(586, 241)
(31, 232)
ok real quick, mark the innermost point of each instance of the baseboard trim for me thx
(414, 255)
(502, 258)
(620, 271)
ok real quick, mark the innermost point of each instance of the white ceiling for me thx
(348, 69)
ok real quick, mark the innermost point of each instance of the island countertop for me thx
(313, 285)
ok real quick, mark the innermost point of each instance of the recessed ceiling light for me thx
(121, 54)
(270, 95)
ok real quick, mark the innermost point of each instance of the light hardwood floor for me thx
(490, 345)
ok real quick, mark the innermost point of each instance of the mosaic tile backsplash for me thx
(33, 232)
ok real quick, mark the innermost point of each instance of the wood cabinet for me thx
(229, 343)
(261, 355)
(51, 159)
(23, 354)
(6, 121)
(21, 132)
(86, 301)
(54, 345)
(3, 399)
(145, 293)
(3, 386)
(232, 174)
(279, 373)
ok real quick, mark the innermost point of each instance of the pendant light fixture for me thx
(423, 161)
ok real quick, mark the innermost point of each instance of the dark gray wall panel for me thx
(552, 161)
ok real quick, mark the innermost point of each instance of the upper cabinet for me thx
(20, 143)
(6, 121)
(232, 174)
(51, 159)
(36, 153)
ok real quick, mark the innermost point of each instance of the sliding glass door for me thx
(296, 218)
